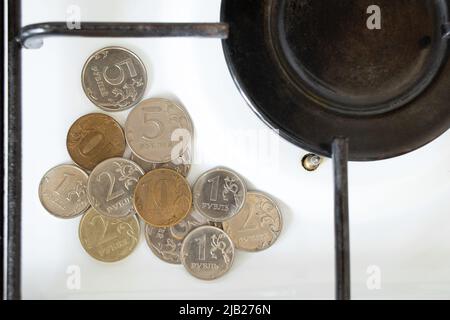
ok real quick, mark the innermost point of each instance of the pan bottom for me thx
(357, 58)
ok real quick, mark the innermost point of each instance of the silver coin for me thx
(182, 164)
(257, 226)
(111, 187)
(219, 194)
(114, 79)
(207, 253)
(62, 191)
(158, 130)
(166, 242)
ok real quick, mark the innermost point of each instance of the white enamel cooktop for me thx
(399, 208)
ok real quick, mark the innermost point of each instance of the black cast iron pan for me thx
(315, 71)
(312, 70)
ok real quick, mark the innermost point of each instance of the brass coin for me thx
(162, 198)
(108, 239)
(93, 138)
(257, 226)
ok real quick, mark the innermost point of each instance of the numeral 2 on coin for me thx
(112, 182)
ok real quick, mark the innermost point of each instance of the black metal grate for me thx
(32, 36)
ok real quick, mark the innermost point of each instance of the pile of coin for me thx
(114, 194)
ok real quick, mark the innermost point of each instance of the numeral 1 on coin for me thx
(201, 247)
(214, 188)
(60, 190)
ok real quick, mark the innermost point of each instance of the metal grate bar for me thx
(14, 217)
(341, 218)
(32, 35)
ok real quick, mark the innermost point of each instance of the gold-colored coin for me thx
(93, 138)
(257, 226)
(108, 239)
(162, 198)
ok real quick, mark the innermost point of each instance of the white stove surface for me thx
(399, 208)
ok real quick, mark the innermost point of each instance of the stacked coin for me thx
(241, 219)
(114, 79)
(151, 186)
